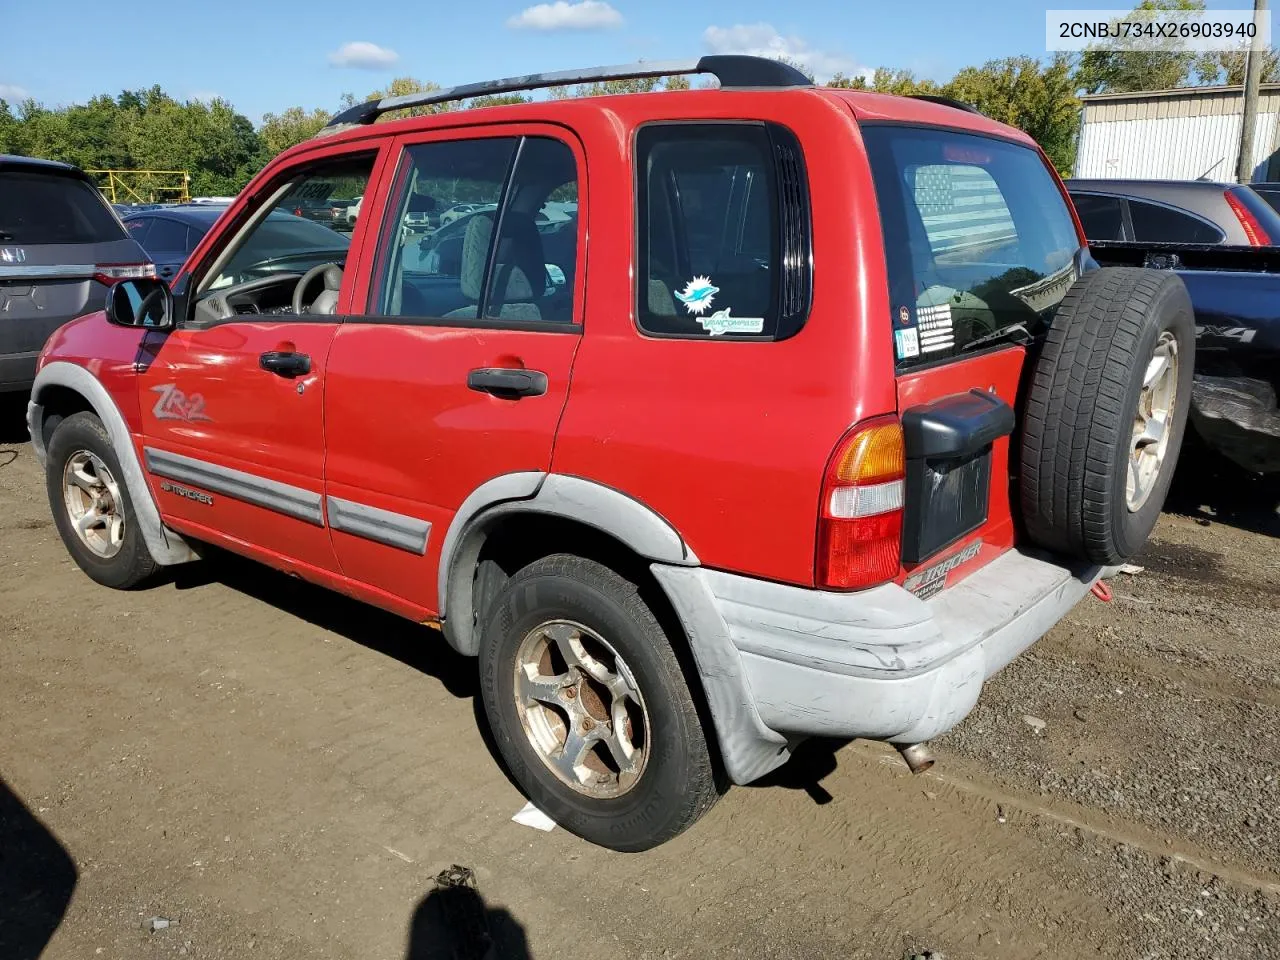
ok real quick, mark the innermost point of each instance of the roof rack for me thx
(947, 102)
(733, 72)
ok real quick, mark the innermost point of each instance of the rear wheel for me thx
(589, 706)
(1105, 413)
(91, 505)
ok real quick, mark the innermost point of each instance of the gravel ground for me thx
(287, 773)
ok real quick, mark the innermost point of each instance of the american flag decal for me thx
(934, 324)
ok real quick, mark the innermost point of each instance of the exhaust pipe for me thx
(917, 756)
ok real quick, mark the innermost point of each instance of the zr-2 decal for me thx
(173, 404)
(930, 581)
(187, 492)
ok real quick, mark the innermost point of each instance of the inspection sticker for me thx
(934, 324)
(906, 343)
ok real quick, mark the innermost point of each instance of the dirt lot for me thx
(284, 772)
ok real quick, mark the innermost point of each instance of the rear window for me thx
(1262, 208)
(50, 208)
(978, 239)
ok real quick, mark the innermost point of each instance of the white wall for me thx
(1171, 148)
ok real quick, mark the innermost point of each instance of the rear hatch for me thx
(60, 244)
(980, 247)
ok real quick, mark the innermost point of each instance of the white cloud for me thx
(763, 40)
(13, 93)
(363, 55)
(562, 15)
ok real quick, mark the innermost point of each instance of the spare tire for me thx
(1105, 413)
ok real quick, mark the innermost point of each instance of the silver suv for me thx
(61, 246)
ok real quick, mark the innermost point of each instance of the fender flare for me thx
(610, 511)
(166, 547)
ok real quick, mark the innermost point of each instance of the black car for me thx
(61, 246)
(171, 233)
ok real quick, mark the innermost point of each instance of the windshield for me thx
(978, 239)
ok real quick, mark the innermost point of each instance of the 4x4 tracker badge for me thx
(932, 579)
(187, 492)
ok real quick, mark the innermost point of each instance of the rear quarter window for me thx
(1157, 223)
(978, 239)
(724, 243)
(50, 208)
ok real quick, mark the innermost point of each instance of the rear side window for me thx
(167, 236)
(1156, 223)
(49, 208)
(724, 231)
(1100, 216)
(978, 239)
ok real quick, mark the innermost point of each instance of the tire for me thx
(82, 440)
(674, 784)
(1080, 422)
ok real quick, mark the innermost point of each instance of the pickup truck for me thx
(1235, 292)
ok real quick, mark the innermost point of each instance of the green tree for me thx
(1123, 71)
(1020, 91)
(1228, 66)
(281, 131)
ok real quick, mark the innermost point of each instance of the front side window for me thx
(301, 229)
(712, 231)
(482, 229)
(979, 241)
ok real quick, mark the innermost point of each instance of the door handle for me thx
(507, 383)
(285, 363)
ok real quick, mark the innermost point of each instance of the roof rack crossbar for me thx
(733, 72)
(946, 102)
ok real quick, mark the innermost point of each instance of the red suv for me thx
(805, 414)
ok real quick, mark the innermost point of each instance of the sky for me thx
(266, 55)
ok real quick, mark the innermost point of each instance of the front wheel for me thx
(91, 505)
(590, 708)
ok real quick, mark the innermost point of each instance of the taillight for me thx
(860, 516)
(109, 273)
(1257, 234)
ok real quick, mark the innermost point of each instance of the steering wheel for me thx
(327, 301)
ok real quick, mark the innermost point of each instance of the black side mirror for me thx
(144, 302)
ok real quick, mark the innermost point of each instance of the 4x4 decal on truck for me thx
(173, 404)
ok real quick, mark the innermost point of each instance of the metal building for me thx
(1180, 134)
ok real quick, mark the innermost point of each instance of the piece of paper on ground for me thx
(531, 816)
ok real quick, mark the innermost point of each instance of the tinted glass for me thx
(1153, 223)
(1262, 209)
(288, 242)
(1269, 193)
(167, 236)
(709, 251)
(978, 238)
(138, 228)
(1100, 216)
(48, 208)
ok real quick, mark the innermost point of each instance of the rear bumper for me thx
(879, 663)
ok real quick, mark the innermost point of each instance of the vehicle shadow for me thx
(452, 922)
(13, 418)
(37, 878)
(1211, 489)
(414, 645)
(812, 761)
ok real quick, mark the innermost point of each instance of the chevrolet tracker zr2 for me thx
(832, 417)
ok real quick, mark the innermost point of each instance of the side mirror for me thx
(144, 302)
